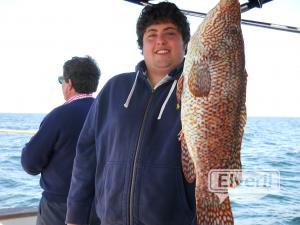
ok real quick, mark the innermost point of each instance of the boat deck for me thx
(18, 216)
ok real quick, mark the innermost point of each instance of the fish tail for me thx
(210, 211)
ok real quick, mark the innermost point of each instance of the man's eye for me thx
(171, 33)
(151, 35)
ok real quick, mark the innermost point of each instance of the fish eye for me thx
(233, 30)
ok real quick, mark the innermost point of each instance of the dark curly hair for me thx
(162, 12)
(83, 72)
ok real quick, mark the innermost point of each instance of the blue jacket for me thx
(52, 149)
(130, 159)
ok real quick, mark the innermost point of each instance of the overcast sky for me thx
(38, 36)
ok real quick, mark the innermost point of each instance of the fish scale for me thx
(212, 94)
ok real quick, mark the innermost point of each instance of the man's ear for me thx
(69, 84)
(185, 48)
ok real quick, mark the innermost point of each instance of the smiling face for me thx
(163, 49)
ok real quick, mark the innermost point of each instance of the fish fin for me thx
(242, 124)
(210, 210)
(179, 90)
(186, 160)
(243, 107)
(236, 154)
(199, 80)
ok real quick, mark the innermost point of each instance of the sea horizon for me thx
(248, 116)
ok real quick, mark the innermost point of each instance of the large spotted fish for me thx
(212, 92)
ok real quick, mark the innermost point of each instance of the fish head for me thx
(220, 31)
(217, 41)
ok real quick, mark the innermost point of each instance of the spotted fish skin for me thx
(212, 94)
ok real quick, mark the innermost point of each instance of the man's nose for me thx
(161, 39)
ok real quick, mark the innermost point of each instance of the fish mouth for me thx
(162, 51)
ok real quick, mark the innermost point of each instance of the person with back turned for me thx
(51, 151)
(128, 154)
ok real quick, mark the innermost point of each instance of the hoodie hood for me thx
(141, 71)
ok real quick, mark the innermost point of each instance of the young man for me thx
(128, 154)
(52, 149)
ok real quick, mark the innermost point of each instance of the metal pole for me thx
(244, 8)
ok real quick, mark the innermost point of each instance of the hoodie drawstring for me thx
(163, 105)
(131, 91)
(167, 99)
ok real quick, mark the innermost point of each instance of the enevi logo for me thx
(247, 184)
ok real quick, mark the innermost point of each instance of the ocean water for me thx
(17, 188)
(269, 193)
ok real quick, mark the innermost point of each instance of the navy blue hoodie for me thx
(129, 157)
